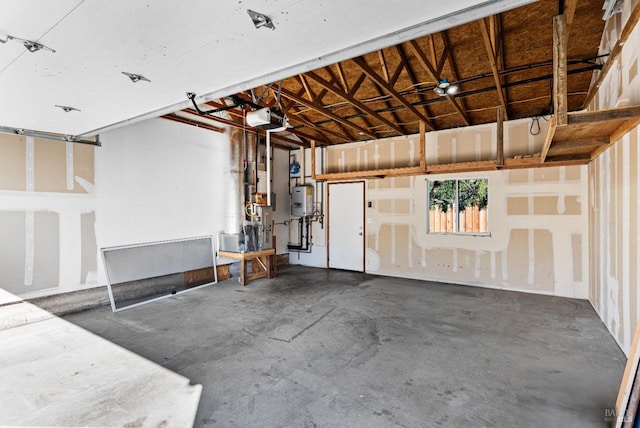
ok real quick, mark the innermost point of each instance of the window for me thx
(458, 206)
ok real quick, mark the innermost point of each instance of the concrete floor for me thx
(320, 348)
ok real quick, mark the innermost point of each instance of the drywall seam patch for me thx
(561, 198)
(29, 253)
(412, 153)
(454, 149)
(626, 276)
(69, 159)
(532, 254)
(637, 238)
(505, 273)
(493, 264)
(455, 260)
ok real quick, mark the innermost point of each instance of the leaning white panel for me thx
(156, 262)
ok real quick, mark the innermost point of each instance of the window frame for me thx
(455, 205)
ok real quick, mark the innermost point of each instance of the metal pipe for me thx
(48, 136)
(302, 169)
(268, 168)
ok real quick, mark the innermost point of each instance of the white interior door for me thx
(346, 226)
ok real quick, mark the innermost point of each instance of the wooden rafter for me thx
(386, 101)
(454, 67)
(316, 99)
(354, 102)
(320, 109)
(433, 74)
(414, 81)
(335, 82)
(343, 80)
(378, 80)
(383, 65)
(306, 122)
(198, 124)
(359, 81)
(560, 69)
(490, 46)
(570, 10)
(632, 21)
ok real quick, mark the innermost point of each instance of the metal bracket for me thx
(260, 20)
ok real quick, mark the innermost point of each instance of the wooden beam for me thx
(475, 166)
(570, 10)
(175, 118)
(414, 81)
(491, 53)
(313, 159)
(354, 102)
(335, 82)
(560, 69)
(320, 109)
(463, 167)
(343, 80)
(632, 21)
(359, 81)
(534, 162)
(433, 74)
(500, 138)
(604, 115)
(617, 134)
(306, 122)
(380, 82)
(372, 173)
(423, 150)
(383, 65)
(548, 139)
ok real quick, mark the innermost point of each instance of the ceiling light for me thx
(445, 88)
(260, 20)
(30, 45)
(67, 109)
(135, 78)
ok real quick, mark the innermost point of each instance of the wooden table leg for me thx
(243, 272)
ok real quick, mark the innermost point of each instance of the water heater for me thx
(302, 201)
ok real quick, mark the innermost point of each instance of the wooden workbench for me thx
(263, 264)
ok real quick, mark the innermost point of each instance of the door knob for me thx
(360, 233)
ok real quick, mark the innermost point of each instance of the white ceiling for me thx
(209, 47)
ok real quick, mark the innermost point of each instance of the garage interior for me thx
(287, 213)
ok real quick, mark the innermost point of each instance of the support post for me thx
(500, 138)
(423, 137)
(313, 159)
(560, 69)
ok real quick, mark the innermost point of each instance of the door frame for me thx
(364, 223)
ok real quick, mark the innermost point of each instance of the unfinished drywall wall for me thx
(614, 198)
(159, 180)
(47, 204)
(538, 218)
